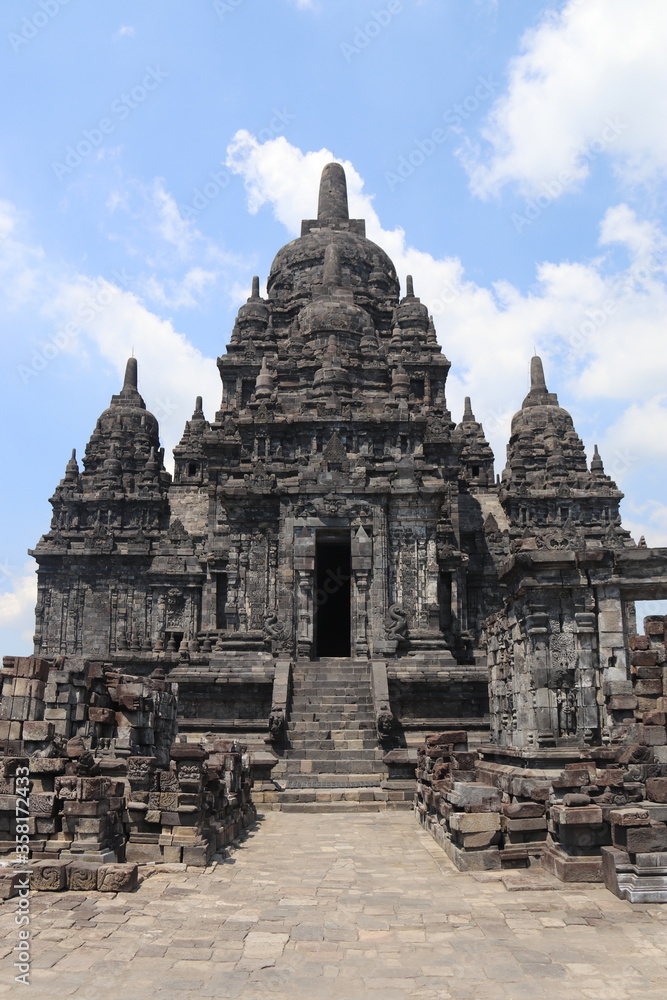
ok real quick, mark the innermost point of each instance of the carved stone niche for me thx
(175, 606)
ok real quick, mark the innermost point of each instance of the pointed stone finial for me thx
(400, 382)
(264, 381)
(539, 395)
(409, 287)
(468, 415)
(131, 374)
(537, 381)
(199, 409)
(331, 275)
(332, 204)
(152, 464)
(255, 287)
(72, 468)
(597, 467)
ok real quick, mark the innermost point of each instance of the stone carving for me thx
(396, 625)
(276, 723)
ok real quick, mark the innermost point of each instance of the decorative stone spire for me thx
(476, 460)
(539, 395)
(332, 203)
(199, 409)
(130, 384)
(72, 469)
(409, 287)
(112, 468)
(152, 468)
(331, 274)
(597, 468)
(255, 288)
(400, 382)
(332, 373)
(264, 381)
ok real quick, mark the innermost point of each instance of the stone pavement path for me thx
(339, 907)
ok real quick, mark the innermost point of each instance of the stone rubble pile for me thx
(601, 818)
(110, 781)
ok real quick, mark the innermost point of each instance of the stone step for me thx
(330, 765)
(331, 754)
(303, 743)
(335, 719)
(328, 779)
(345, 807)
(337, 698)
(333, 694)
(331, 711)
(323, 726)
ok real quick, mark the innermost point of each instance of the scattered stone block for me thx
(49, 876)
(656, 789)
(117, 878)
(82, 876)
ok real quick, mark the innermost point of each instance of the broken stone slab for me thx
(9, 880)
(457, 737)
(656, 789)
(523, 810)
(577, 815)
(472, 797)
(629, 816)
(474, 822)
(525, 881)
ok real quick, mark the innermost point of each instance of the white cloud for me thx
(648, 519)
(17, 605)
(595, 325)
(182, 264)
(87, 317)
(125, 31)
(116, 324)
(591, 80)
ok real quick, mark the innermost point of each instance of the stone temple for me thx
(334, 571)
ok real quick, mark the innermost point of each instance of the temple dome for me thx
(297, 268)
(334, 310)
(540, 411)
(543, 439)
(128, 408)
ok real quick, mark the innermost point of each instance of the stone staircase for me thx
(332, 758)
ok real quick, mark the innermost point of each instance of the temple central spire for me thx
(332, 203)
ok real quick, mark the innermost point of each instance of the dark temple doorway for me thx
(332, 593)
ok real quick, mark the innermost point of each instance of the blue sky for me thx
(511, 155)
